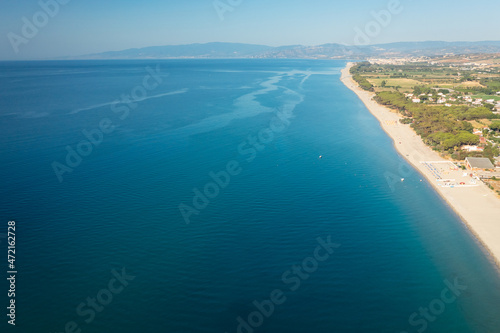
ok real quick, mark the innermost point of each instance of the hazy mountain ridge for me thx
(325, 51)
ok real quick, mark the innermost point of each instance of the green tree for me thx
(495, 126)
(451, 143)
(467, 138)
(363, 82)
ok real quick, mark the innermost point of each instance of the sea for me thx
(221, 196)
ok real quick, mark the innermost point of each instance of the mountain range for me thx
(325, 51)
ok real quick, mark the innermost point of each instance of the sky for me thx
(77, 27)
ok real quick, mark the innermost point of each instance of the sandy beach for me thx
(476, 204)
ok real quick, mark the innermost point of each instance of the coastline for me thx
(478, 206)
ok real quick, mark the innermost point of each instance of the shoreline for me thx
(477, 206)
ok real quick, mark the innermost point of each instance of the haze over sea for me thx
(399, 249)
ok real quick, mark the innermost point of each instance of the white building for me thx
(472, 148)
(477, 132)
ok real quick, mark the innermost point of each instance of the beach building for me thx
(478, 163)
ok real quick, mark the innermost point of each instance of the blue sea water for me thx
(402, 260)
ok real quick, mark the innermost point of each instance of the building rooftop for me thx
(480, 163)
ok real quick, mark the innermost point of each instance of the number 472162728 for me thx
(11, 240)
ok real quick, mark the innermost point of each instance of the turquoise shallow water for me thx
(399, 250)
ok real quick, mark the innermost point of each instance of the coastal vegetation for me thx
(454, 109)
(360, 79)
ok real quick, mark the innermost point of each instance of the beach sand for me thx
(478, 206)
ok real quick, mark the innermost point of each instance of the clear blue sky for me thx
(89, 26)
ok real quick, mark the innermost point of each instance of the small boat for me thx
(402, 179)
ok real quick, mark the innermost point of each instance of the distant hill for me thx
(326, 51)
(209, 50)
